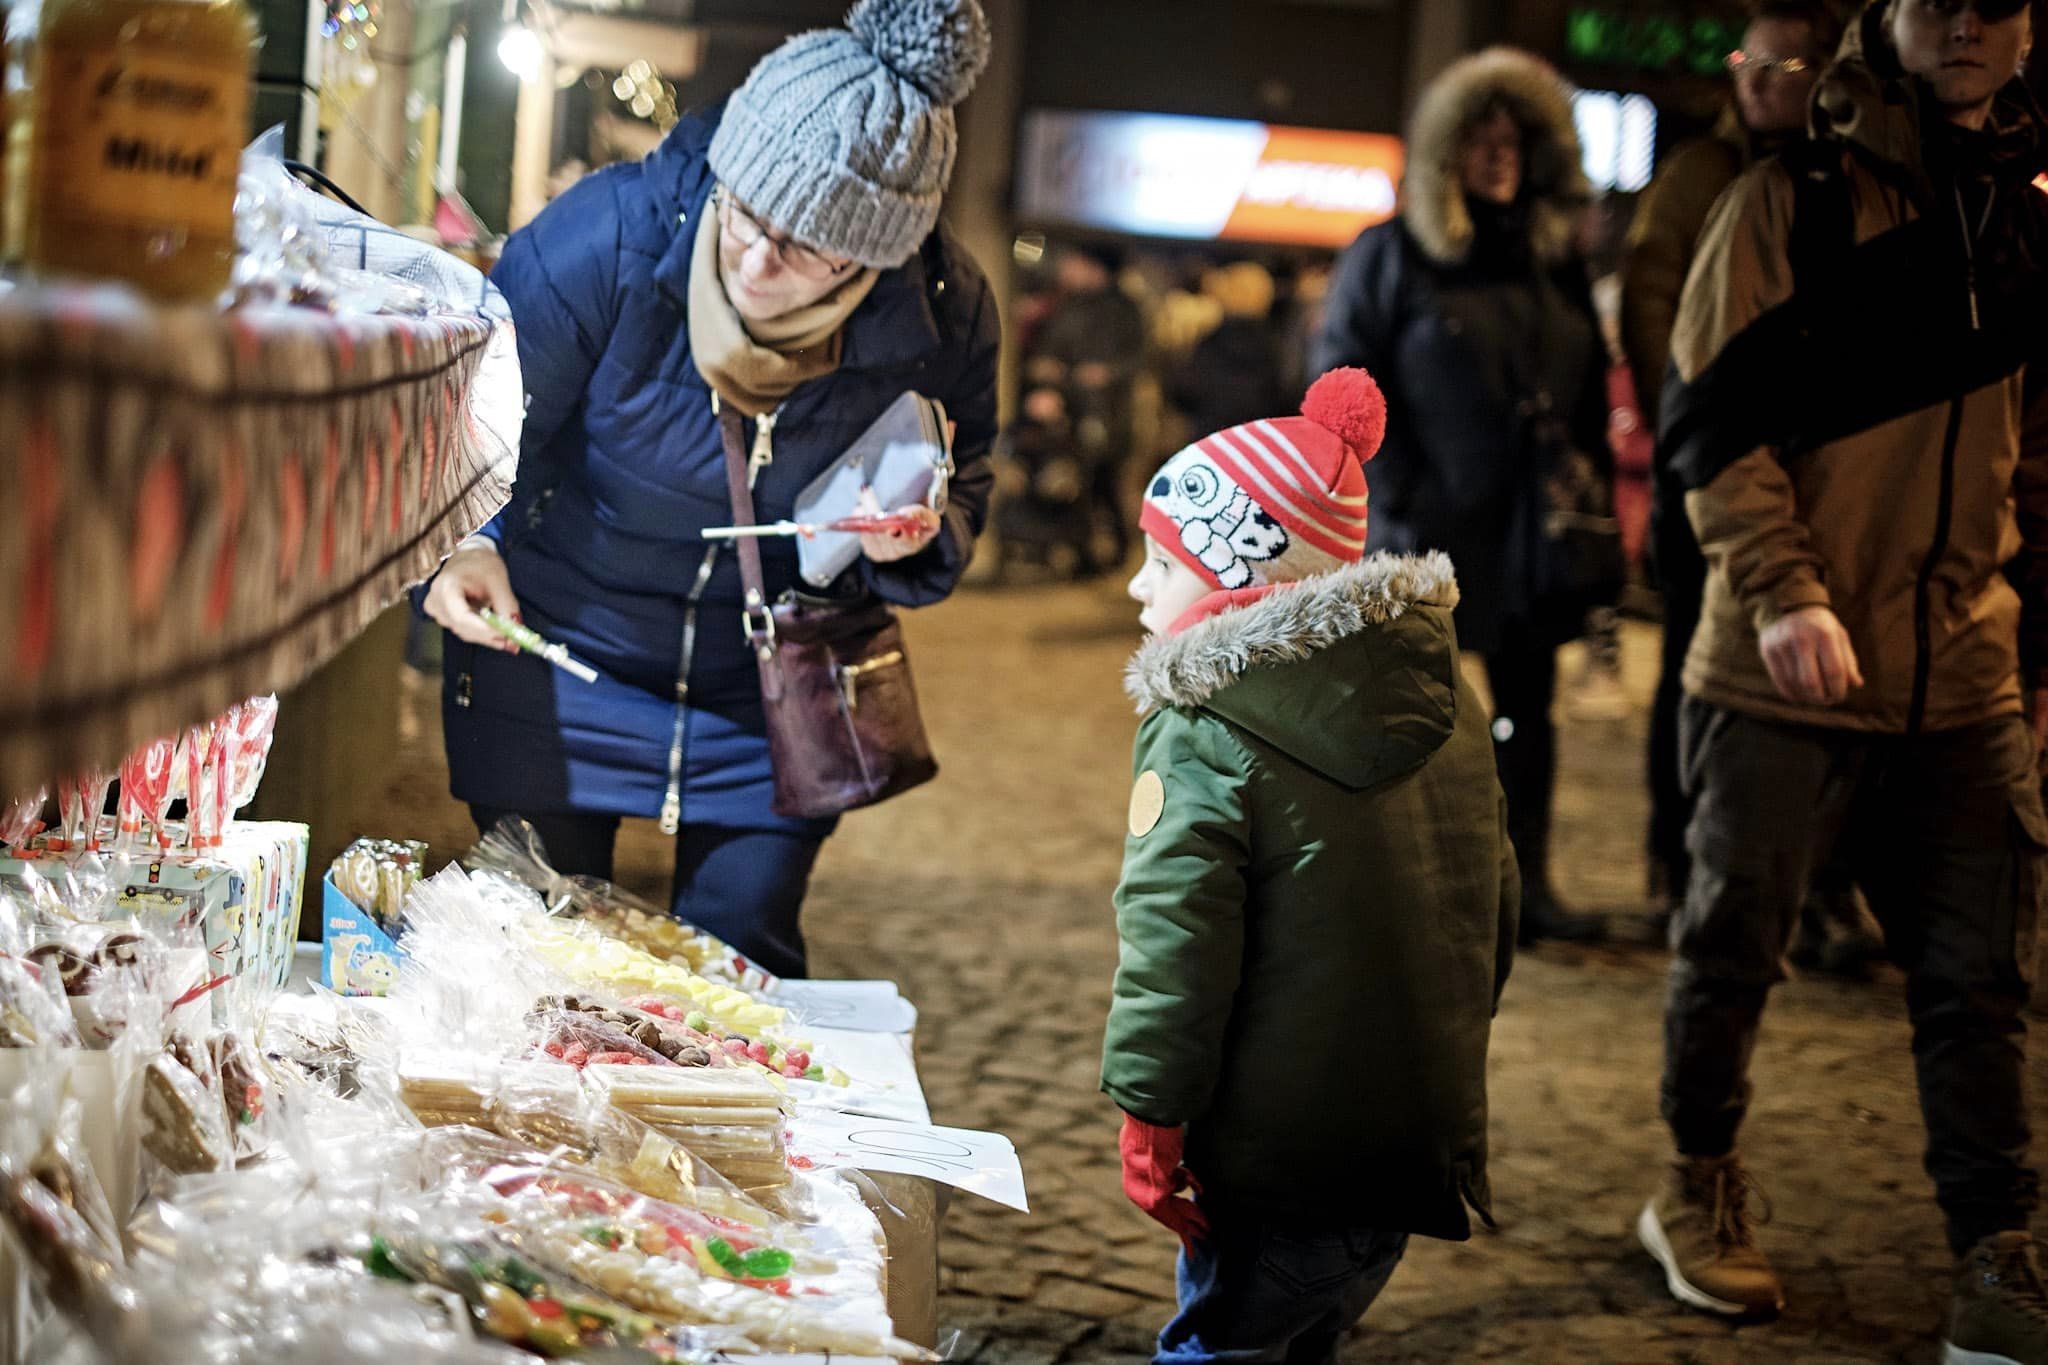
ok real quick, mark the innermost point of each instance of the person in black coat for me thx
(1476, 315)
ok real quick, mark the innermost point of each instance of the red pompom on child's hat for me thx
(1349, 404)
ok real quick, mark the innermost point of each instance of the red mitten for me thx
(1154, 1178)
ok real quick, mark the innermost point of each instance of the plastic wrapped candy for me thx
(81, 798)
(33, 1009)
(201, 781)
(106, 972)
(54, 1207)
(377, 875)
(679, 1265)
(573, 1020)
(21, 819)
(513, 1299)
(146, 794)
(253, 724)
(586, 1129)
(513, 847)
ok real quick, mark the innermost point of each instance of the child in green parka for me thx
(1318, 901)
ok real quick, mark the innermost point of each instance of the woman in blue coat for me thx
(783, 254)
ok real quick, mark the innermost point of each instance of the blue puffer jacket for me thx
(620, 471)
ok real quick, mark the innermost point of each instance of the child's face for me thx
(1166, 588)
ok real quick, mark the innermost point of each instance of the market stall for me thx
(521, 1115)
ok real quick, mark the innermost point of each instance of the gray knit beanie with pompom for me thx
(843, 138)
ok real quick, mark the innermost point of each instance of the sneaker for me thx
(1698, 1228)
(1999, 1315)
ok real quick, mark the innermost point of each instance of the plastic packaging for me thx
(21, 818)
(514, 848)
(53, 1206)
(681, 1265)
(146, 794)
(377, 875)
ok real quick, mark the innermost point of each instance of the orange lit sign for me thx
(1205, 179)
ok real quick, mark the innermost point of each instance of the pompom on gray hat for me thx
(844, 138)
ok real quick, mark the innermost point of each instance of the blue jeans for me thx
(1258, 1293)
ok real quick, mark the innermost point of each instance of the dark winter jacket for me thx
(1318, 904)
(621, 469)
(1661, 239)
(1231, 377)
(1850, 405)
(1467, 319)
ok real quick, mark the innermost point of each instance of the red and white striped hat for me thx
(1274, 501)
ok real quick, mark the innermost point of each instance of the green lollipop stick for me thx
(532, 642)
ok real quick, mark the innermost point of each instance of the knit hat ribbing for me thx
(844, 139)
(1274, 501)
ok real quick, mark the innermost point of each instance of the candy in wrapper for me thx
(21, 818)
(513, 1299)
(146, 791)
(377, 875)
(81, 798)
(199, 775)
(184, 1123)
(254, 723)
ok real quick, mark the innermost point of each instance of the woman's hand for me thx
(474, 576)
(887, 549)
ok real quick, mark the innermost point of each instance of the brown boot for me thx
(1698, 1228)
(1999, 1315)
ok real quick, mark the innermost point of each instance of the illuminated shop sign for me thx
(1665, 43)
(1617, 137)
(1204, 179)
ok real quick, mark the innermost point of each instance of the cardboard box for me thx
(244, 895)
(356, 956)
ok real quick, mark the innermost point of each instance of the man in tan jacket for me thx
(1851, 419)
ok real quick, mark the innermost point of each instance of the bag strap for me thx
(759, 622)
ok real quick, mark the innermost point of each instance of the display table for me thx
(909, 1207)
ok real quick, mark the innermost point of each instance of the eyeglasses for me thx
(1740, 62)
(794, 257)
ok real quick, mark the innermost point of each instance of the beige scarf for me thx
(755, 365)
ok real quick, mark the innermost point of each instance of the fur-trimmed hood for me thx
(1554, 184)
(1344, 672)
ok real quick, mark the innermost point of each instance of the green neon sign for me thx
(1658, 43)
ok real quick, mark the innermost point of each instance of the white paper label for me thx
(979, 1163)
(861, 1006)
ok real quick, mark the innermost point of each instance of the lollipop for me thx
(80, 799)
(254, 725)
(21, 818)
(145, 791)
(199, 783)
(93, 787)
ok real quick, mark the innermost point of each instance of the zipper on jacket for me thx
(1923, 589)
(1944, 516)
(672, 800)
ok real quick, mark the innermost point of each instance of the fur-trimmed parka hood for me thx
(1352, 673)
(1554, 184)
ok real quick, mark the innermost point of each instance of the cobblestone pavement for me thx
(987, 896)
